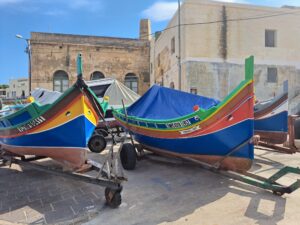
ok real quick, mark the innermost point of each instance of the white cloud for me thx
(274, 3)
(160, 11)
(9, 2)
(89, 5)
(282, 2)
(55, 12)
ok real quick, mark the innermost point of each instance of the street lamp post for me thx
(179, 47)
(28, 51)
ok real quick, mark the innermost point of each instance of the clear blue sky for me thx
(117, 18)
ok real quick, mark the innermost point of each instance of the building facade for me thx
(216, 37)
(2, 93)
(18, 88)
(53, 64)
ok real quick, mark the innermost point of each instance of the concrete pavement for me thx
(156, 193)
(159, 193)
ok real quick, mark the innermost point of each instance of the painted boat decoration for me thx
(179, 124)
(60, 130)
(271, 118)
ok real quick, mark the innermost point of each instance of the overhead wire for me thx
(263, 16)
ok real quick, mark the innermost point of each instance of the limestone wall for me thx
(216, 37)
(114, 57)
(218, 79)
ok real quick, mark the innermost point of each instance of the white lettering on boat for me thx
(183, 123)
(31, 124)
(190, 130)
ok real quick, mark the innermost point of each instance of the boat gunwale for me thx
(258, 114)
(44, 109)
(217, 108)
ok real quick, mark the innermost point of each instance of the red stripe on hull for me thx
(53, 117)
(242, 112)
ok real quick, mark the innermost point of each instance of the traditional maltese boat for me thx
(60, 130)
(179, 124)
(271, 118)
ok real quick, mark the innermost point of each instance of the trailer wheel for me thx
(128, 156)
(97, 143)
(113, 197)
(102, 132)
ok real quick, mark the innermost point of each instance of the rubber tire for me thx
(102, 132)
(113, 198)
(128, 156)
(97, 143)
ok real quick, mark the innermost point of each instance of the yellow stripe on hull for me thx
(78, 108)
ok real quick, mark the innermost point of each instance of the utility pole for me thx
(28, 51)
(179, 47)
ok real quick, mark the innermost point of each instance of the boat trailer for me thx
(270, 183)
(108, 174)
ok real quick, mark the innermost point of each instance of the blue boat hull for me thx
(215, 144)
(272, 129)
(74, 134)
(275, 123)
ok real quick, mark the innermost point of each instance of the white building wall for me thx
(18, 88)
(214, 73)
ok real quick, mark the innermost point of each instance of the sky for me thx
(115, 18)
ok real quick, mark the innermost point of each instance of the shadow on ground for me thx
(155, 193)
(34, 197)
(159, 192)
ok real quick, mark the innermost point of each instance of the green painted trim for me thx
(34, 109)
(104, 104)
(79, 64)
(249, 68)
(203, 114)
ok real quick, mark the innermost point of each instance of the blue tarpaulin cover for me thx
(165, 103)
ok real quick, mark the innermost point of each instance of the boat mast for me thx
(79, 66)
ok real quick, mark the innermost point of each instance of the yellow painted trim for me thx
(88, 112)
(75, 110)
(202, 121)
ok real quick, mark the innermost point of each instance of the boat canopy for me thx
(44, 96)
(118, 91)
(165, 103)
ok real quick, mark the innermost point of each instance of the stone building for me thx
(216, 37)
(18, 88)
(53, 64)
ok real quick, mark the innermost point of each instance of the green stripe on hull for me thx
(204, 114)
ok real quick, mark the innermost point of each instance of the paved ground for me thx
(159, 193)
(30, 196)
(156, 193)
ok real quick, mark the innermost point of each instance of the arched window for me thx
(172, 85)
(97, 75)
(131, 81)
(60, 81)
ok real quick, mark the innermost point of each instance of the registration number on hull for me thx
(31, 124)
